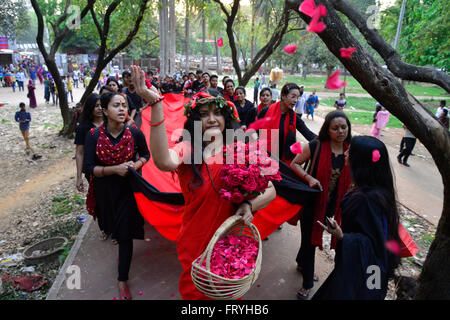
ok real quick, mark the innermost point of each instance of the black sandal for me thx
(303, 294)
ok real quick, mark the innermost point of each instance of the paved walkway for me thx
(155, 269)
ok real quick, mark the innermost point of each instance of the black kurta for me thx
(360, 252)
(117, 208)
(247, 113)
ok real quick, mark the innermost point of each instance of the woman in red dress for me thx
(198, 170)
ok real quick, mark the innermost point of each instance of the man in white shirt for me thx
(20, 77)
(300, 106)
(440, 108)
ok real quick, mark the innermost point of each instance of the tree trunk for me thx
(203, 41)
(252, 40)
(162, 40)
(187, 37)
(172, 28)
(385, 88)
(218, 57)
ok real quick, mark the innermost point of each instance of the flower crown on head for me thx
(202, 98)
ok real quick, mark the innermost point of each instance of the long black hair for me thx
(324, 133)
(375, 179)
(197, 180)
(88, 108)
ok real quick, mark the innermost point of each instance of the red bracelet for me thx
(157, 124)
(156, 101)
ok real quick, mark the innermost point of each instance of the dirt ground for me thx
(38, 198)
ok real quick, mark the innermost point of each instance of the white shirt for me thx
(439, 112)
(300, 107)
(20, 76)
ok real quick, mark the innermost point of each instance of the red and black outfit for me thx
(287, 123)
(110, 197)
(334, 177)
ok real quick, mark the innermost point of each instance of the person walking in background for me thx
(13, 81)
(443, 119)
(255, 91)
(275, 92)
(440, 108)
(23, 117)
(76, 77)
(312, 102)
(380, 120)
(31, 94)
(406, 147)
(340, 103)
(70, 87)
(20, 79)
(301, 102)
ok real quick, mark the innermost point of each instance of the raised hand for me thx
(138, 80)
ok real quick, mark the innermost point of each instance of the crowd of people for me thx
(355, 211)
(355, 199)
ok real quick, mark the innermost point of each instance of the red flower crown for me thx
(202, 98)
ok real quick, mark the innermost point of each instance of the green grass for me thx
(365, 107)
(65, 204)
(313, 82)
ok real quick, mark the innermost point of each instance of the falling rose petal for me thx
(115, 298)
(307, 7)
(140, 293)
(393, 246)
(334, 83)
(375, 155)
(220, 42)
(296, 148)
(172, 294)
(315, 25)
(290, 48)
(347, 52)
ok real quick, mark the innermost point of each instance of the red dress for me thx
(204, 212)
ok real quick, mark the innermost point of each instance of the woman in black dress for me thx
(91, 117)
(363, 264)
(246, 109)
(329, 174)
(111, 150)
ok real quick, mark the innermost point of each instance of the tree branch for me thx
(393, 60)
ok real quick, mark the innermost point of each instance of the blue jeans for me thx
(20, 83)
(311, 110)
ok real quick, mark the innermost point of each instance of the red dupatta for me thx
(323, 175)
(274, 116)
(109, 155)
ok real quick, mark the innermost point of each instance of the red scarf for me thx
(110, 155)
(260, 107)
(323, 175)
(274, 113)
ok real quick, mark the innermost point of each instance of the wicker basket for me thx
(215, 286)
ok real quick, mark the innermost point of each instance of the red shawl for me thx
(109, 155)
(260, 107)
(323, 175)
(274, 116)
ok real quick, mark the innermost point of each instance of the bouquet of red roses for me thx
(249, 174)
